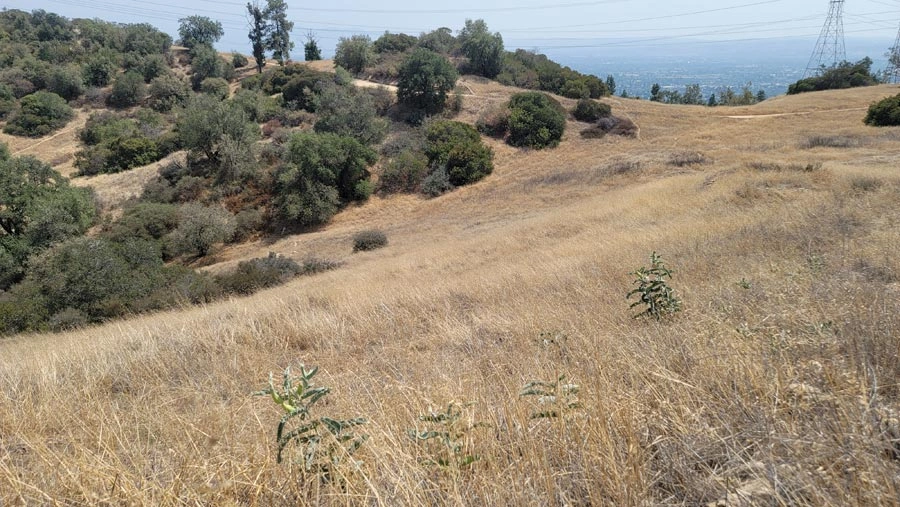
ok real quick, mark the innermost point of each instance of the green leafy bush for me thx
(128, 90)
(319, 173)
(483, 48)
(458, 148)
(590, 110)
(527, 69)
(347, 111)
(884, 113)
(215, 87)
(256, 274)
(372, 239)
(168, 92)
(840, 76)
(394, 43)
(199, 228)
(66, 81)
(238, 61)
(354, 53)
(425, 79)
(38, 115)
(535, 120)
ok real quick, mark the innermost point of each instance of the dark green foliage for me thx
(535, 120)
(457, 148)
(168, 92)
(372, 239)
(394, 43)
(278, 38)
(118, 143)
(66, 81)
(38, 115)
(199, 30)
(440, 41)
(311, 51)
(98, 70)
(404, 172)
(7, 100)
(590, 110)
(259, 30)
(215, 87)
(238, 61)
(840, 76)
(144, 220)
(654, 294)
(207, 124)
(319, 173)
(200, 228)
(483, 49)
(145, 39)
(884, 113)
(425, 80)
(256, 274)
(534, 71)
(38, 209)
(128, 90)
(148, 66)
(349, 111)
(206, 63)
(354, 53)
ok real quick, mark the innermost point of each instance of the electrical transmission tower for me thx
(893, 68)
(830, 48)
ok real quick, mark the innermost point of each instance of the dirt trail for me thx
(798, 113)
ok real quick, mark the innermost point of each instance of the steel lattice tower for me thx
(893, 68)
(830, 49)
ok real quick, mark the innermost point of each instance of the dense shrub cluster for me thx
(457, 148)
(425, 79)
(590, 110)
(536, 120)
(319, 174)
(38, 115)
(884, 113)
(534, 71)
(117, 142)
(840, 76)
(372, 239)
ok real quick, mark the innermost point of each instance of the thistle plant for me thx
(552, 398)
(654, 293)
(447, 437)
(324, 443)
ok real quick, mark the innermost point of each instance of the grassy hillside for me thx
(777, 384)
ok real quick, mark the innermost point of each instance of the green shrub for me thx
(66, 81)
(320, 172)
(256, 274)
(535, 120)
(238, 61)
(199, 228)
(527, 69)
(247, 222)
(354, 53)
(394, 43)
(347, 111)
(884, 113)
(590, 110)
(215, 87)
(128, 90)
(483, 49)
(425, 78)
(373, 239)
(405, 172)
(38, 115)
(168, 92)
(840, 76)
(458, 148)
(98, 70)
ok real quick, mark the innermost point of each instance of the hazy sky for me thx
(531, 24)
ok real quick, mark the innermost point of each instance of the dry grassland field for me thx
(777, 384)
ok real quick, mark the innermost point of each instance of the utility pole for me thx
(892, 74)
(830, 49)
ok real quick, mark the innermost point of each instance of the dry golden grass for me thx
(775, 385)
